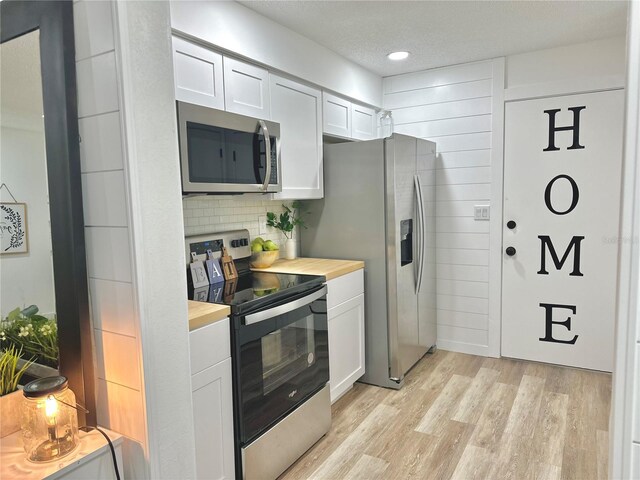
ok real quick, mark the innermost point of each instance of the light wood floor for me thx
(467, 417)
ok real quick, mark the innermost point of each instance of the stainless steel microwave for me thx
(223, 152)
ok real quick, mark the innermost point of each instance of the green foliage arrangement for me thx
(10, 374)
(33, 334)
(287, 220)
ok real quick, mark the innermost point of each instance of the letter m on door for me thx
(574, 244)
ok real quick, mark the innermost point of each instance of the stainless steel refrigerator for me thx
(379, 206)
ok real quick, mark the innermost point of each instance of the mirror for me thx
(27, 297)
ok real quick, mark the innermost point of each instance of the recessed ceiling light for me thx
(398, 55)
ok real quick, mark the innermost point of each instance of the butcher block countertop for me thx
(330, 269)
(202, 313)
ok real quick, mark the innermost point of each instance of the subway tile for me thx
(112, 306)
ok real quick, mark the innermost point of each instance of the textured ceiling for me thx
(439, 33)
(20, 80)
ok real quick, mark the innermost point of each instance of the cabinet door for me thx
(346, 345)
(298, 110)
(213, 418)
(197, 74)
(363, 122)
(336, 114)
(246, 89)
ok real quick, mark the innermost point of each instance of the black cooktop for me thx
(255, 290)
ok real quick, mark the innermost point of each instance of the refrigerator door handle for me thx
(419, 229)
(422, 233)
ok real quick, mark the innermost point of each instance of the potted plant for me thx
(35, 335)
(10, 396)
(286, 222)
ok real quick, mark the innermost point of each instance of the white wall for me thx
(624, 452)
(584, 67)
(461, 108)
(108, 236)
(452, 106)
(27, 278)
(145, 63)
(584, 60)
(238, 29)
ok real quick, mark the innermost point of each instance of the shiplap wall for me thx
(452, 106)
(119, 389)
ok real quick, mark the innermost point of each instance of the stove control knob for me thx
(235, 243)
(245, 242)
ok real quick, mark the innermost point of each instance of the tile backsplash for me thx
(204, 214)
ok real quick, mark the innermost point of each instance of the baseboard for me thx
(468, 348)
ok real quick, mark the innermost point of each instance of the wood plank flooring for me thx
(465, 417)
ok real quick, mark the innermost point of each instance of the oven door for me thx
(222, 152)
(282, 358)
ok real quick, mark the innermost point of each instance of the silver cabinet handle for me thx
(287, 307)
(267, 142)
(422, 233)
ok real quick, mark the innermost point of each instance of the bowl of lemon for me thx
(263, 253)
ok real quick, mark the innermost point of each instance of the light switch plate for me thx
(262, 222)
(481, 212)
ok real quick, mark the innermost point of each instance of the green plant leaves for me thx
(287, 221)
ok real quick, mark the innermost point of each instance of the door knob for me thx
(511, 224)
(510, 251)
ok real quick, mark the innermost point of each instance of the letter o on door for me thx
(574, 196)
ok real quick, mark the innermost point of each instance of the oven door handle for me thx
(287, 307)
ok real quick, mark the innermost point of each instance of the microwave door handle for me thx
(287, 307)
(267, 143)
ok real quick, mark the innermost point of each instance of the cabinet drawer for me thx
(209, 345)
(345, 288)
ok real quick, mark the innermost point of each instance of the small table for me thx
(91, 459)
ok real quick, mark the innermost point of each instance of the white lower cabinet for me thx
(212, 397)
(345, 315)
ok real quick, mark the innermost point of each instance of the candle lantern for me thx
(49, 419)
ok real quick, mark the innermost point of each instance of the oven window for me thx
(287, 352)
(222, 155)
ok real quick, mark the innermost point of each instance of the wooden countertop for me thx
(202, 313)
(330, 269)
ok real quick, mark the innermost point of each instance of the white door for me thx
(561, 205)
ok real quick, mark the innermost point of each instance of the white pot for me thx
(290, 249)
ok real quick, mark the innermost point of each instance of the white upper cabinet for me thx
(336, 115)
(246, 89)
(298, 110)
(345, 119)
(197, 74)
(363, 122)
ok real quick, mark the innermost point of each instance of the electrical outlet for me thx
(262, 221)
(481, 212)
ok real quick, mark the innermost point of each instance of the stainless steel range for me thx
(280, 357)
